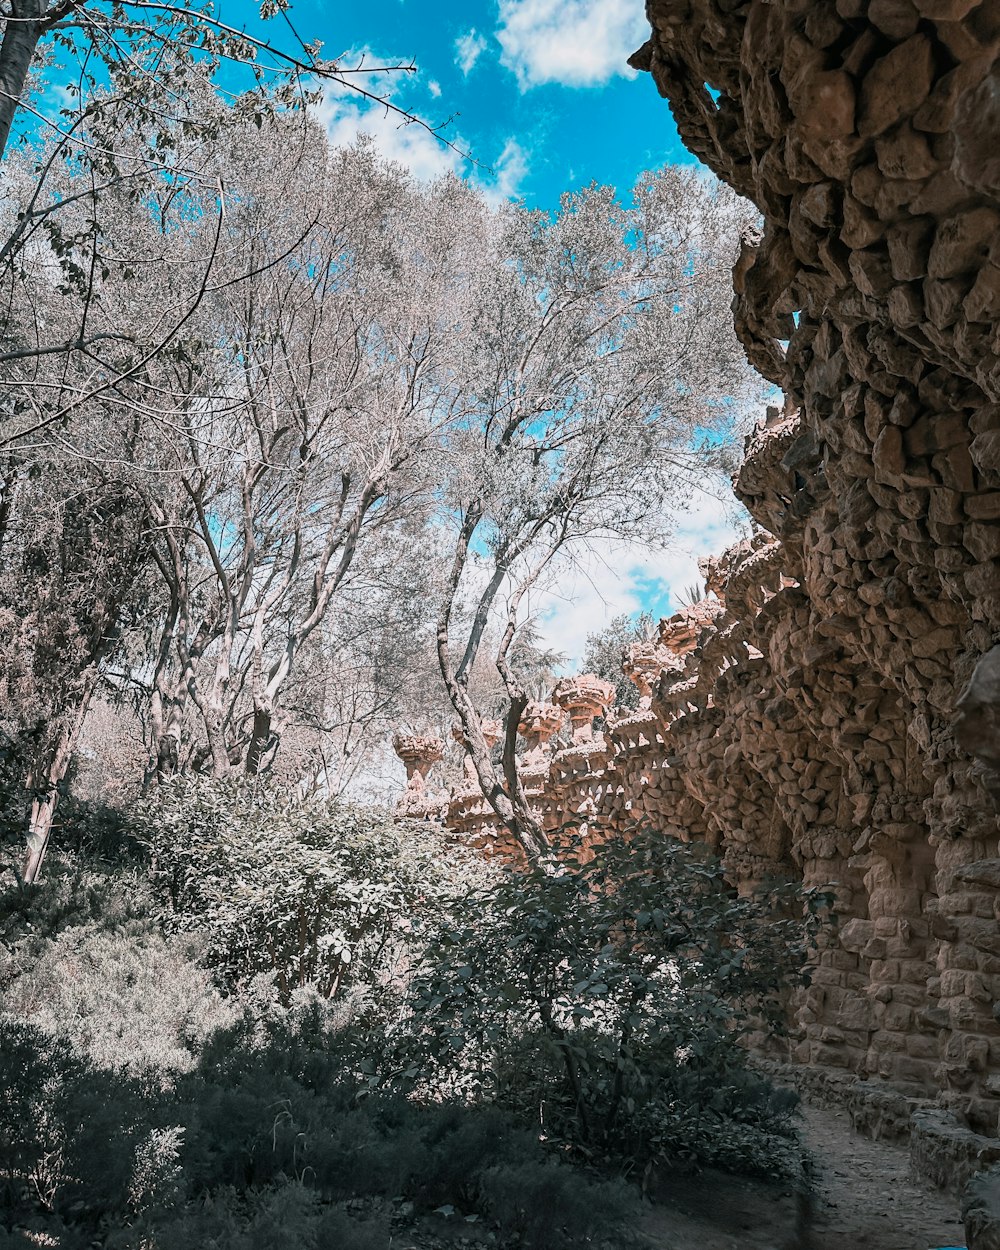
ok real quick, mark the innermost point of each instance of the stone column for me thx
(583, 698)
(642, 663)
(419, 753)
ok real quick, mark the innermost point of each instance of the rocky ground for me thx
(864, 1198)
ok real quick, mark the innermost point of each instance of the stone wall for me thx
(868, 134)
(832, 711)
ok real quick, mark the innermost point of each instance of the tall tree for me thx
(76, 548)
(606, 651)
(119, 70)
(317, 360)
(599, 350)
(315, 443)
(147, 53)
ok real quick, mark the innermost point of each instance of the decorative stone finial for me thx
(419, 753)
(539, 722)
(583, 698)
(679, 633)
(714, 571)
(642, 663)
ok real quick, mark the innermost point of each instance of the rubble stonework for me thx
(468, 813)
(766, 730)
(830, 713)
(867, 132)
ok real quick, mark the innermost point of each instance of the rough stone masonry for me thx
(868, 134)
(832, 711)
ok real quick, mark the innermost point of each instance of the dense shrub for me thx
(141, 1109)
(76, 891)
(257, 1145)
(84, 958)
(134, 999)
(74, 1139)
(608, 1001)
(287, 1216)
(316, 893)
(13, 796)
(483, 1030)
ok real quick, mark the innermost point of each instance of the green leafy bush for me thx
(593, 1013)
(549, 1204)
(286, 1216)
(84, 959)
(259, 1144)
(74, 1139)
(74, 892)
(315, 893)
(133, 999)
(608, 1000)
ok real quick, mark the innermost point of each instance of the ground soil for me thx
(864, 1197)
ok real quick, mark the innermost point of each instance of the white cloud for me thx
(578, 43)
(410, 145)
(468, 49)
(434, 87)
(346, 115)
(617, 577)
(509, 170)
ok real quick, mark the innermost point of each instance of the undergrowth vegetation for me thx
(276, 1024)
(608, 1001)
(312, 893)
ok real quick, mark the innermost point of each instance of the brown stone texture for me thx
(850, 733)
(831, 712)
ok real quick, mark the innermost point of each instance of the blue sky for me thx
(543, 96)
(545, 102)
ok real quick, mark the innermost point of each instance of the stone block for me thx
(985, 451)
(963, 242)
(905, 154)
(896, 18)
(943, 301)
(896, 86)
(909, 247)
(983, 301)
(985, 507)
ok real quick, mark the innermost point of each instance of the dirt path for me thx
(864, 1199)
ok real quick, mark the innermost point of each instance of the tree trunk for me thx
(17, 51)
(44, 781)
(221, 764)
(166, 714)
(213, 715)
(512, 812)
(165, 701)
(522, 825)
(166, 755)
(260, 738)
(8, 482)
(43, 810)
